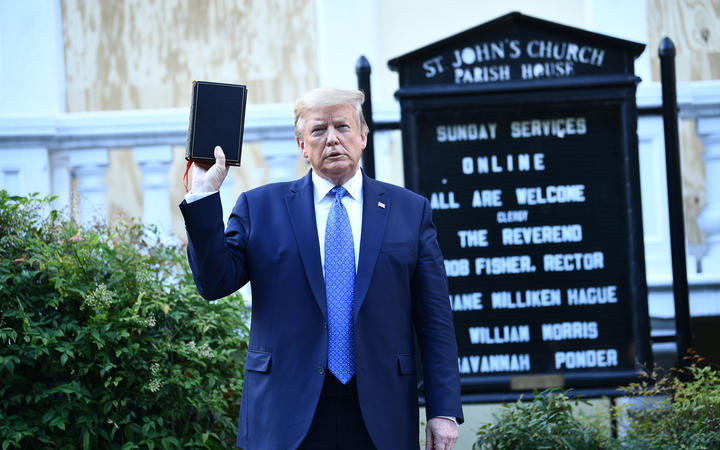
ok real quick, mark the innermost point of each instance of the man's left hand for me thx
(440, 434)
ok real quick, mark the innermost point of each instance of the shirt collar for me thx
(323, 186)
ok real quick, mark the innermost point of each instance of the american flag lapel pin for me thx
(381, 205)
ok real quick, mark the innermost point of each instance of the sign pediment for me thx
(516, 48)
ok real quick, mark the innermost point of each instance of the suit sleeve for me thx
(434, 326)
(218, 260)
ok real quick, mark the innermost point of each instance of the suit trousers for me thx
(337, 423)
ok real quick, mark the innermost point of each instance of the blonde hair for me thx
(324, 97)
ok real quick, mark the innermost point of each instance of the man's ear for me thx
(301, 146)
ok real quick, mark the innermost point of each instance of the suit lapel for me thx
(301, 209)
(373, 230)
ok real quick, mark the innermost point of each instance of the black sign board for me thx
(522, 134)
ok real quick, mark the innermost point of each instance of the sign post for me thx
(522, 134)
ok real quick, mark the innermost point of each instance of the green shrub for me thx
(681, 411)
(688, 416)
(547, 422)
(105, 342)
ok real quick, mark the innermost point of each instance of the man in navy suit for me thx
(331, 360)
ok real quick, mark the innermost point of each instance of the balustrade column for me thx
(154, 162)
(281, 156)
(61, 178)
(88, 169)
(708, 129)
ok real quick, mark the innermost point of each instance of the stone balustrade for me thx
(69, 153)
(700, 102)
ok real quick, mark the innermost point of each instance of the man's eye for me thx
(317, 131)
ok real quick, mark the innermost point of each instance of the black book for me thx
(217, 117)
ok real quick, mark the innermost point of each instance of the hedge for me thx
(104, 340)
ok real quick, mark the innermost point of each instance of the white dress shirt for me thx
(352, 203)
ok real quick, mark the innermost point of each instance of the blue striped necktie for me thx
(339, 287)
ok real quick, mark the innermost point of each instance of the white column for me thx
(32, 72)
(32, 84)
(336, 58)
(154, 163)
(24, 170)
(60, 178)
(708, 129)
(282, 157)
(88, 168)
(653, 189)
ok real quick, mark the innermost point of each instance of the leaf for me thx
(58, 422)
(86, 440)
(172, 440)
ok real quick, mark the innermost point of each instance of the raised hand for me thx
(209, 178)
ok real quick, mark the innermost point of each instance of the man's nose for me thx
(332, 137)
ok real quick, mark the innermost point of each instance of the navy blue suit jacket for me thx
(401, 287)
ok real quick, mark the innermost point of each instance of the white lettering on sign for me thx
(487, 198)
(547, 234)
(482, 74)
(592, 295)
(485, 51)
(433, 66)
(512, 216)
(501, 265)
(530, 298)
(568, 262)
(565, 51)
(569, 330)
(499, 335)
(438, 200)
(573, 193)
(471, 301)
(583, 359)
(466, 132)
(567, 126)
(546, 70)
(495, 164)
(483, 62)
(494, 363)
(472, 238)
(457, 267)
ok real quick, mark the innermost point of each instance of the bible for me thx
(217, 117)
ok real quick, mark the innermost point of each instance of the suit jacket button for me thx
(325, 325)
(321, 370)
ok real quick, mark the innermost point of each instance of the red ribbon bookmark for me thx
(185, 177)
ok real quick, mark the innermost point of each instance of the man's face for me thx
(333, 142)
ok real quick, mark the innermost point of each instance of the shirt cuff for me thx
(191, 196)
(451, 418)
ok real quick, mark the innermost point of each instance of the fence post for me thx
(362, 70)
(675, 202)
